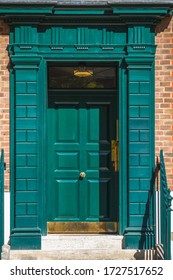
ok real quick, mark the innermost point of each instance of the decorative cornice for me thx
(85, 2)
(119, 13)
(114, 19)
(133, 53)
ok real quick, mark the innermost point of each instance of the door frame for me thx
(42, 129)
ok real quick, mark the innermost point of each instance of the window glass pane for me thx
(82, 77)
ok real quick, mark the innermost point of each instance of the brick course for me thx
(4, 96)
(163, 96)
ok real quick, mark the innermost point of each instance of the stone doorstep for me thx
(73, 242)
(77, 255)
(82, 254)
(78, 247)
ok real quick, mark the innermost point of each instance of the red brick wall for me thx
(163, 100)
(4, 96)
(164, 94)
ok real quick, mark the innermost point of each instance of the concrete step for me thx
(82, 241)
(82, 254)
(77, 247)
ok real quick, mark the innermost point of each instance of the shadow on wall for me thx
(147, 237)
(163, 25)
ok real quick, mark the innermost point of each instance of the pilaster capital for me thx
(25, 62)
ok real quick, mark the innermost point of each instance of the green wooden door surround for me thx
(117, 34)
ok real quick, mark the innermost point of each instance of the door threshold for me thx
(81, 227)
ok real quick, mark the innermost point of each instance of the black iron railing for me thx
(163, 213)
(2, 168)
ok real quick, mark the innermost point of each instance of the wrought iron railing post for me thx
(2, 167)
(165, 209)
(157, 170)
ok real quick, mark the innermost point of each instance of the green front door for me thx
(82, 185)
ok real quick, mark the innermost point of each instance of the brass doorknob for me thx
(82, 175)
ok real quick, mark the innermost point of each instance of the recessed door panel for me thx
(67, 193)
(67, 127)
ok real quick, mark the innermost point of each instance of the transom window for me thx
(82, 76)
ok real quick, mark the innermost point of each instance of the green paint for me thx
(36, 41)
(78, 141)
(2, 169)
(28, 238)
(138, 10)
(79, 12)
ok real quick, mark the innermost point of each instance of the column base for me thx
(25, 239)
(139, 238)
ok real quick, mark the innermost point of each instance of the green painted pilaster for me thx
(140, 230)
(25, 233)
